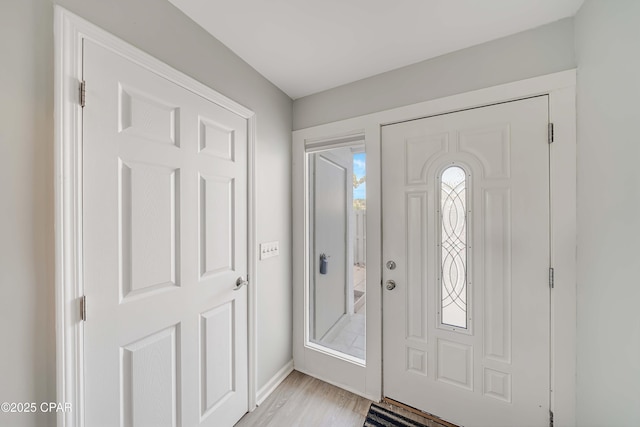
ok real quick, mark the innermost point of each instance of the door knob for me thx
(240, 283)
(391, 265)
(391, 285)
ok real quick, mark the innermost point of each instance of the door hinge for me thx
(83, 308)
(551, 277)
(550, 418)
(550, 133)
(83, 93)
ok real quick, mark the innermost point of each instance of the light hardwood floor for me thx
(305, 401)
(302, 400)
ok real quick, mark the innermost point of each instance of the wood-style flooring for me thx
(302, 400)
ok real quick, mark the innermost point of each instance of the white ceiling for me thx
(307, 46)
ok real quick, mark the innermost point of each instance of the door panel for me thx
(165, 231)
(151, 364)
(466, 329)
(149, 207)
(216, 225)
(218, 356)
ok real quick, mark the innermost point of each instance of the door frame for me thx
(69, 32)
(561, 89)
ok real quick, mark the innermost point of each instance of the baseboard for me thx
(274, 382)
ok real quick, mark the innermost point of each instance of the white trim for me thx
(70, 31)
(274, 382)
(252, 253)
(561, 90)
(562, 112)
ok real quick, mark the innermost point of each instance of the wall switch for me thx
(269, 249)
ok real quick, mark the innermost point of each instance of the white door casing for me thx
(163, 239)
(496, 370)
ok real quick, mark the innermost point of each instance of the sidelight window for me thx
(336, 203)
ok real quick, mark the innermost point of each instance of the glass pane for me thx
(453, 206)
(337, 258)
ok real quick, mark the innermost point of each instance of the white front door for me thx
(165, 232)
(466, 221)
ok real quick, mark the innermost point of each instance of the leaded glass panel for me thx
(453, 219)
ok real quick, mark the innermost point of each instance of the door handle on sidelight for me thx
(391, 285)
(240, 283)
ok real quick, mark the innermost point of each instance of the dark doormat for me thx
(381, 417)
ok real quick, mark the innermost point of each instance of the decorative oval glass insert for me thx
(453, 274)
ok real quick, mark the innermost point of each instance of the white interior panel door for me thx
(165, 232)
(466, 221)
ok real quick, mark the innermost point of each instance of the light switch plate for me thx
(269, 249)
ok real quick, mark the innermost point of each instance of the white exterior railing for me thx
(360, 240)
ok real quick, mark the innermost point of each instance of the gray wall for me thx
(535, 52)
(27, 359)
(608, 56)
